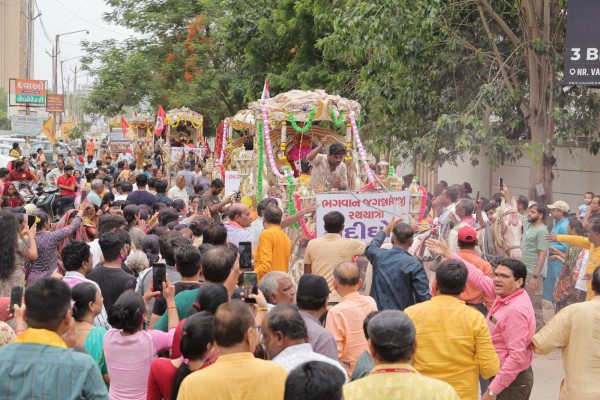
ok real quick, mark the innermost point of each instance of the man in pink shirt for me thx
(345, 320)
(511, 321)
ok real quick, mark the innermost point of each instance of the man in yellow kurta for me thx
(592, 243)
(392, 344)
(454, 341)
(274, 247)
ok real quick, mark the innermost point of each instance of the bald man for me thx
(239, 220)
(345, 320)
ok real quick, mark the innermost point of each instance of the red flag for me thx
(160, 121)
(123, 126)
(265, 94)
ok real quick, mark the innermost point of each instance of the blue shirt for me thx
(37, 371)
(162, 198)
(560, 228)
(399, 279)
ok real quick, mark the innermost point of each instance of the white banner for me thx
(232, 181)
(176, 152)
(26, 125)
(365, 213)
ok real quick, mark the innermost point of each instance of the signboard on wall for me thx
(365, 213)
(582, 49)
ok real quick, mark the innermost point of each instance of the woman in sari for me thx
(87, 305)
(566, 293)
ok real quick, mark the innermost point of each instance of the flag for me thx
(66, 128)
(265, 94)
(160, 121)
(49, 130)
(123, 126)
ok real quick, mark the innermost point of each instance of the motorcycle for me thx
(46, 200)
(28, 190)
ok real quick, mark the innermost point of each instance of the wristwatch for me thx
(535, 276)
(491, 393)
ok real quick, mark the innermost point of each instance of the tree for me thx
(4, 120)
(459, 74)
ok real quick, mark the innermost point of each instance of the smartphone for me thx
(200, 208)
(477, 198)
(250, 286)
(30, 220)
(245, 249)
(159, 275)
(501, 185)
(16, 297)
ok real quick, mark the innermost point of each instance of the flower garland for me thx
(291, 206)
(391, 172)
(423, 202)
(309, 121)
(309, 235)
(223, 142)
(336, 121)
(361, 149)
(267, 134)
(259, 176)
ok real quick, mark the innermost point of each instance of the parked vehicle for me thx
(46, 147)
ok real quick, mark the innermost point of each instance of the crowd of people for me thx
(94, 323)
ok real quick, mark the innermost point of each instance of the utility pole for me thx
(75, 98)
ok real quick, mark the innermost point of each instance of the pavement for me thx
(547, 370)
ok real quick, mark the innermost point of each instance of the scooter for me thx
(27, 190)
(46, 200)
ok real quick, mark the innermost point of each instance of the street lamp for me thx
(55, 74)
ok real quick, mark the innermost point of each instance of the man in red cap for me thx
(474, 297)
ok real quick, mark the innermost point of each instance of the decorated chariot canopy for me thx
(184, 115)
(300, 104)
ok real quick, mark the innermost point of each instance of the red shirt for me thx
(70, 181)
(24, 175)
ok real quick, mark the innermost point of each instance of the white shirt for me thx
(176, 193)
(256, 229)
(53, 175)
(445, 216)
(582, 264)
(96, 252)
(294, 356)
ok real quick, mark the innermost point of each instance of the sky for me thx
(63, 16)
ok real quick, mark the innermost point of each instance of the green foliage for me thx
(437, 78)
(80, 130)
(4, 120)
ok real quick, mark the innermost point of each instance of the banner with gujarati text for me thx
(365, 213)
